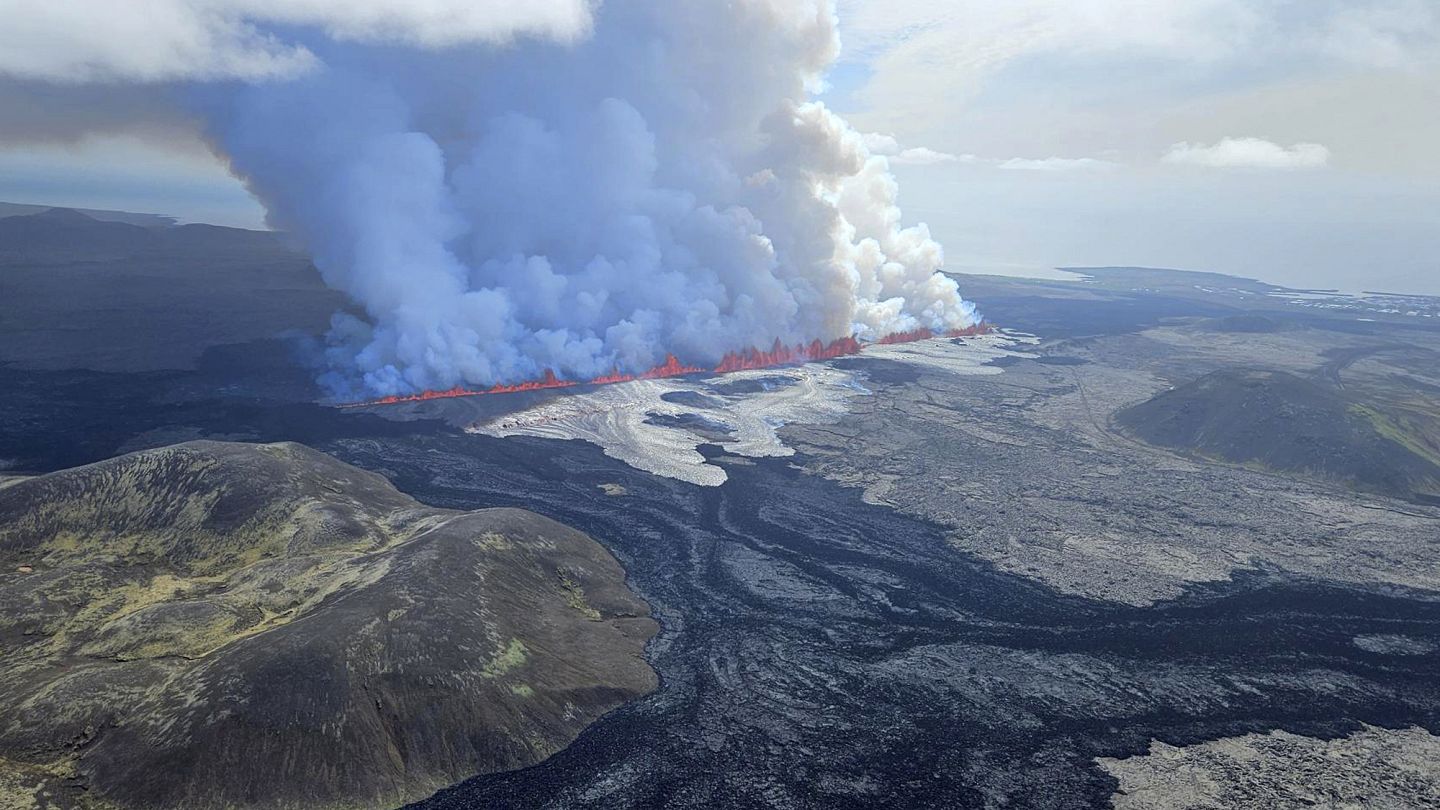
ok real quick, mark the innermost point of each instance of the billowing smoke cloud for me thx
(661, 185)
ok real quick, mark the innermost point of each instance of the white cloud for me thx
(1055, 164)
(165, 40)
(1059, 76)
(1248, 153)
(1387, 33)
(881, 144)
(925, 156)
(924, 50)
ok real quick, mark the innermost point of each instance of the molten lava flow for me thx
(981, 328)
(670, 368)
(906, 337)
(549, 380)
(781, 354)
(747, 360)
(423, 396)
(616, 376)
(925, 334)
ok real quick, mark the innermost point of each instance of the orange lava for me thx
(549, 380)
(672, 367)
(926, 334)
(906, 337)
(780, 355)
(981, 328)
(747, 360)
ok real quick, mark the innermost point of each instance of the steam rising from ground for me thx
(659, 425)
(661, 185)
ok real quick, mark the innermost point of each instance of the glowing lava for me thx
(926, 334)
(672, 367)
(747, 360)
(548, 380)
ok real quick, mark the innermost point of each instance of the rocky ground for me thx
(1374, 767)
(219, 625)
(1029, 471)
(821, 651)
(966, 588)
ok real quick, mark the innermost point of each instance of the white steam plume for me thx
(661, 185)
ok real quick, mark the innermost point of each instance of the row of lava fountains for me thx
(747, 360)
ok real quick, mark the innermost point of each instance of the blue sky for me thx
(1051, 132)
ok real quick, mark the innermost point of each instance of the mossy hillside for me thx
(178, 620)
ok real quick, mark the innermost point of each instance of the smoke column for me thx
(658, 183)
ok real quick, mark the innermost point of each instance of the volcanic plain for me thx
(1044, 568)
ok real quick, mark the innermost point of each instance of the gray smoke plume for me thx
(658, 184)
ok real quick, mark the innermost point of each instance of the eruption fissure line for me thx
(747, 360)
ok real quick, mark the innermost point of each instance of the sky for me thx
(1294, 141)
(1297, 141)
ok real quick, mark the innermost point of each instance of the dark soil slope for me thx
(1284, 423)
(80, 293)
(227, 625)
(62, 234)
